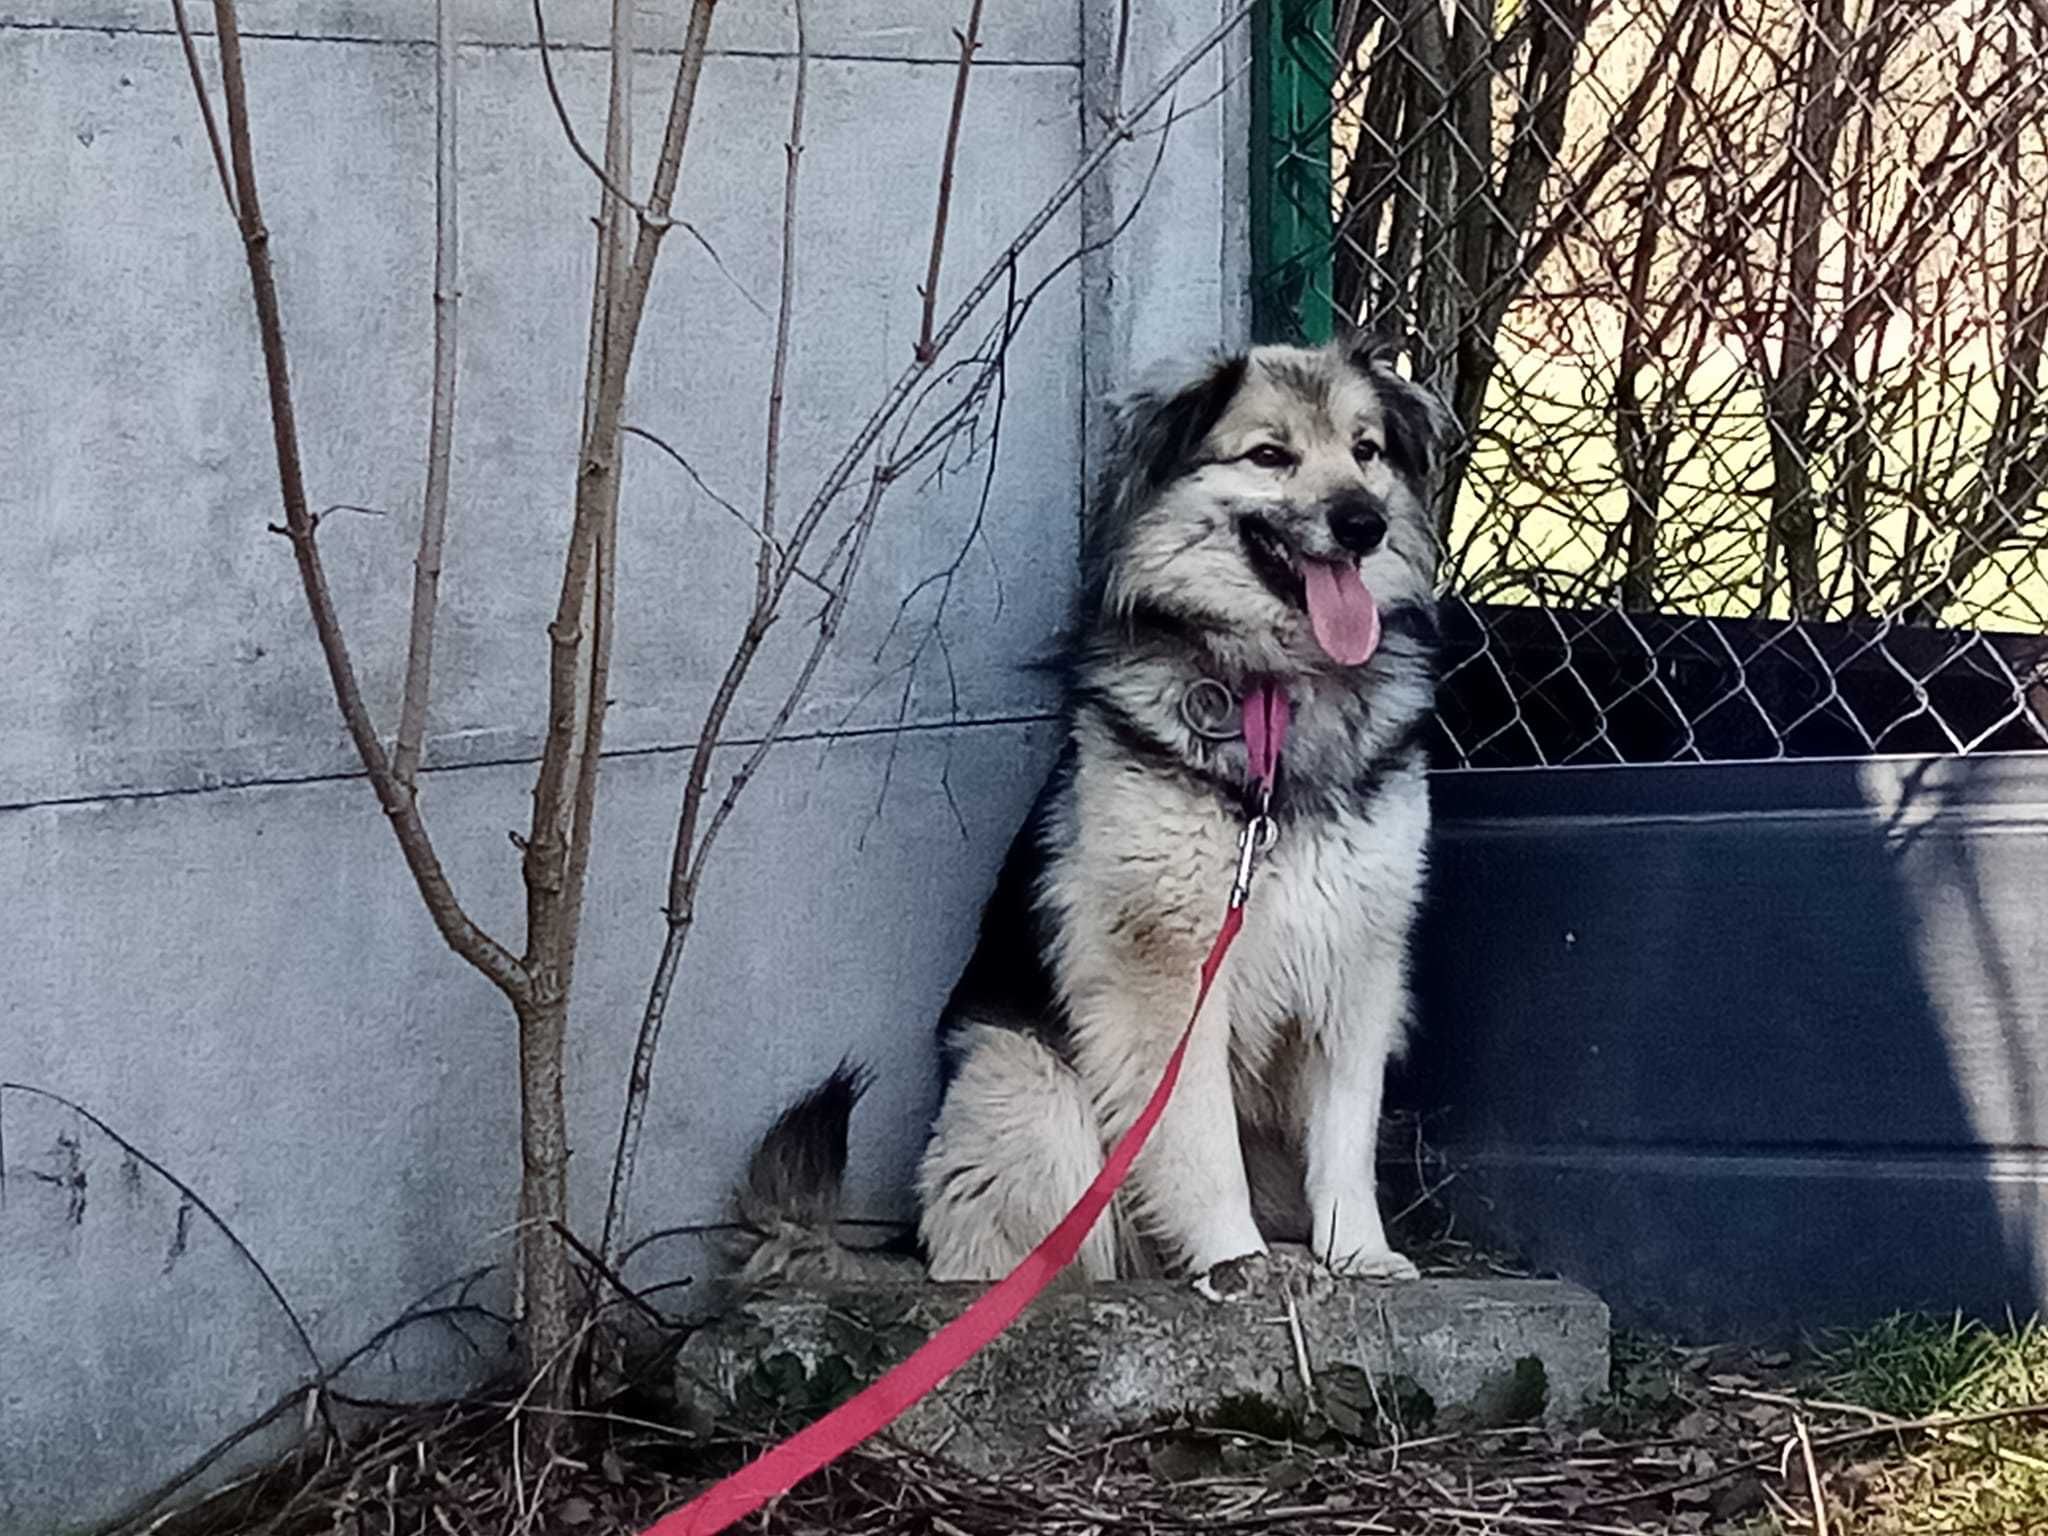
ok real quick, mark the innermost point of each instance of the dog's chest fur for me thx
(1140, 881)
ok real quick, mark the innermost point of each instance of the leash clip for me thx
(1260, 833)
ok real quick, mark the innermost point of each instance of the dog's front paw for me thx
(1234, 1278)
(1372, 1264)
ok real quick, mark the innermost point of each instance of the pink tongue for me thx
(1340, 610)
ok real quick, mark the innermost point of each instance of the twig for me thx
(1505, 1517)
(550, 1370)
(675, 456)
(461, 934)
(654, 220)
(612, 185)
(198, 1203)
(828, 629)
(970, 41)
(774, 580)
(687, 873)
(772, 456)
(426, 571)
(857, 449)
(646, 213)
(1820, 1503)
(992, 376)
(518, 1473)
(1931, 1424)
(205, 100)
(414, 1314)
(1880, 1420)
(1301, 1361)
(609, 1275)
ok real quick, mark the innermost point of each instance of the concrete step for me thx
(1093, 1360)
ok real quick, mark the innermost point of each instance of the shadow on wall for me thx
(1753, 1050)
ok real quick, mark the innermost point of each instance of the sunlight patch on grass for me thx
(1981, 1479)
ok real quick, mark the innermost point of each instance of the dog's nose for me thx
(1359, 524)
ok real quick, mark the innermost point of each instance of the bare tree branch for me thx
(646, 212)
(604, 171)
(557, 852)
(1640, 449)
(771, 580)
(426, 585)
(970, 40)
(205, 99)
(771, 459)
(844, 468)
(198, 1202)
(675, 456)
(461, 934)
(129, 1520)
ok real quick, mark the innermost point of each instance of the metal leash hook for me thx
(1259, 834)
(1254, 842)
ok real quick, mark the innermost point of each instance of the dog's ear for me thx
(1371, 349)
(1419, 425)
(1155, 432)
(1157, 426)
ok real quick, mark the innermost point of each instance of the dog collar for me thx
(1260, 718)
(1207, 709)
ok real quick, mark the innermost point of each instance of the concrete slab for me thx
(1094, 1360)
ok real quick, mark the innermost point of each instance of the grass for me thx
(1911, 1365)
(1983, 1479)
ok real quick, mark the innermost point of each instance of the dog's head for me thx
(1276, 501)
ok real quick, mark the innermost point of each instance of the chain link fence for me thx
(1741, 308)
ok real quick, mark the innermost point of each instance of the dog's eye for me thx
(1365, 451)
(1271, 456)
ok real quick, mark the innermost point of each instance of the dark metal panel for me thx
(1744, 1046)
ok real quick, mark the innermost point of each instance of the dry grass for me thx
(1916, 1427)
(1704, 1441)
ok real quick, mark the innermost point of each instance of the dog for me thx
(1264, 520)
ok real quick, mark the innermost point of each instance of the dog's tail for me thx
(787, 1204)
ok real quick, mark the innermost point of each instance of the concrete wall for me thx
(209, 941)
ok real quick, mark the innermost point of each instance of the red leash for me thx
(880, 1405)
(877, 1407)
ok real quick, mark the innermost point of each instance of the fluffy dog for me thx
(1264, 521)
